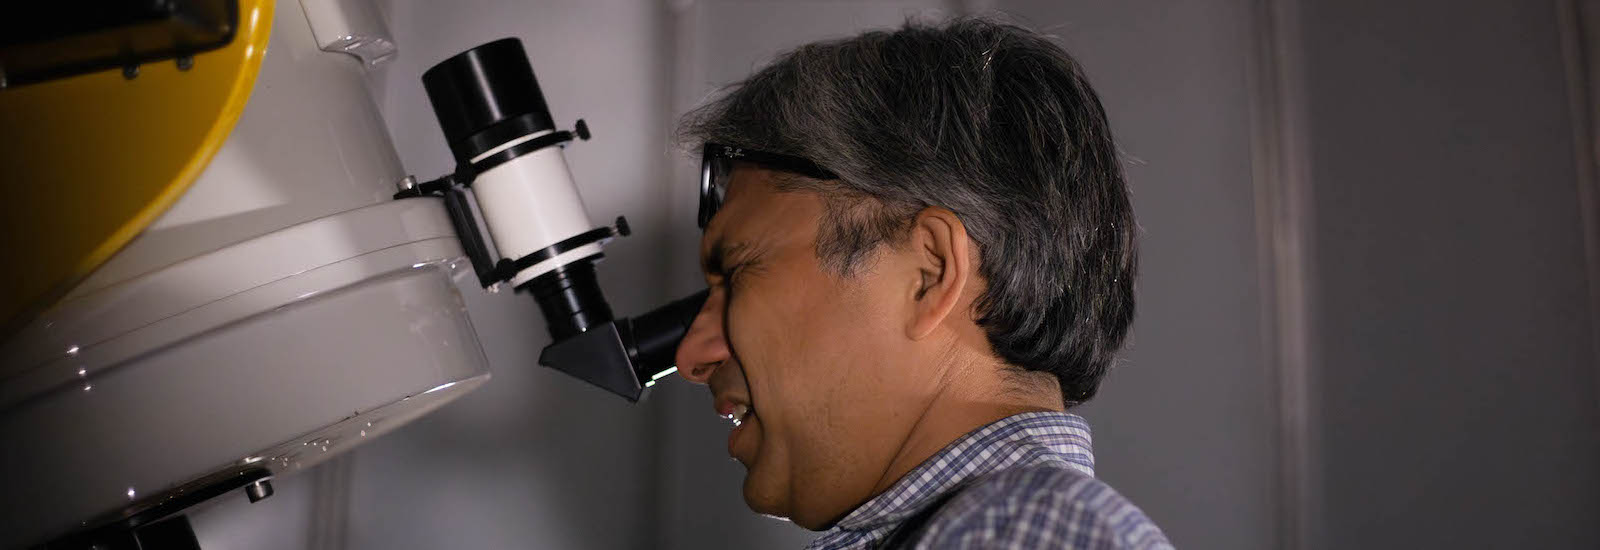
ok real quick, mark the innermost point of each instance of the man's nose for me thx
(705, 346)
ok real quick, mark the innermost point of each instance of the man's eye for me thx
(732, 278)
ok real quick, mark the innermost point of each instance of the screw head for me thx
(259, 490)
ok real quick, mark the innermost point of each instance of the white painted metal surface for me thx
(285, 375)
(351, 26)
(283, 311)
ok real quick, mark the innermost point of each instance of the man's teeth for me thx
(738, 415)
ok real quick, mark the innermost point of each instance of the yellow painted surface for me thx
(89, 161)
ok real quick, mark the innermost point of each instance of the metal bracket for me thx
(451, 187)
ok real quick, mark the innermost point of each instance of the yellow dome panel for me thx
(89, 161)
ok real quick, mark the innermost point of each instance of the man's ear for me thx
(939, 249)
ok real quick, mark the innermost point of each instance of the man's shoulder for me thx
(1041, 505)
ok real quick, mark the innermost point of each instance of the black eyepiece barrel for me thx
(570, 298)
(656, 334)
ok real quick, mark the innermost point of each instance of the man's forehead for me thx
(747, 179)
(744, 187)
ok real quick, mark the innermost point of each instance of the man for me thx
(921, 254)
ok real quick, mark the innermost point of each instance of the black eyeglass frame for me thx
(713, 154)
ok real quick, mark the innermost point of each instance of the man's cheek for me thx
(749, 337)
(759, 327)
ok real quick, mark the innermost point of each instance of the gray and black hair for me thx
(995, 123)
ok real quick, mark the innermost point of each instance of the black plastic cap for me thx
(486, 96)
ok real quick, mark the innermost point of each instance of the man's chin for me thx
(760, 502)
(760, 495)
(766, 502)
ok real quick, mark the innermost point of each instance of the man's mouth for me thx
(738, 414)
(733, 405)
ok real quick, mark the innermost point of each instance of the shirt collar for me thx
(1012, 441)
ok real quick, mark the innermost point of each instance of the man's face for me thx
(809, 352)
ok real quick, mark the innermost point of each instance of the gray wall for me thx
(1456, 390)
(1183, 426)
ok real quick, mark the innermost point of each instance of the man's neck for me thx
(973, 393)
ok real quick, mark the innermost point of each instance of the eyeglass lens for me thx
(714, 189)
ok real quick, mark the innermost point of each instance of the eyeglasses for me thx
(716, 165)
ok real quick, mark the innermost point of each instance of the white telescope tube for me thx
(530, 203)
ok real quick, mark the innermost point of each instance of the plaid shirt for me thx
(1026, 481)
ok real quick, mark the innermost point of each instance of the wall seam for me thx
(681, 60)
(1280, 171)
(1580, 24)
(655, 504)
